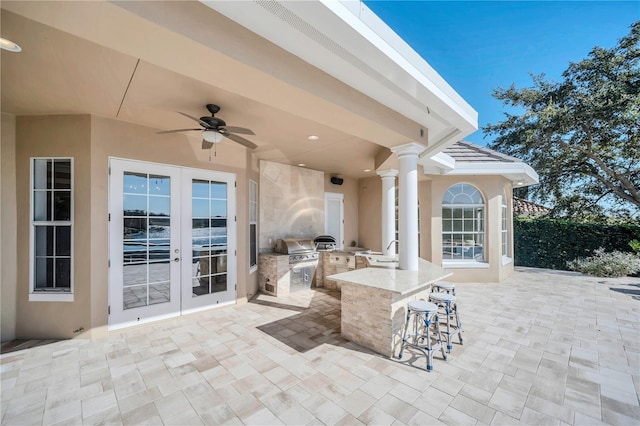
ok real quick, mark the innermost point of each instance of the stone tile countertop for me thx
(383, 274)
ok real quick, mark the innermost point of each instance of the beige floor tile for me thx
(560, 412)
(287, 363)
(218, 415)
(448, 384)
(396, 407)
(379, 385)
(62, 412)
(508, 402)
(261, 417)
(433, 402)
(421, 419)
(356, 403)
(376, 416)
(110, 416)
(453, 417)
(97, 403)
(405, 393)
(480, 395)
(296, 414)
(325, 410)
(468, 406)
(501, 419)
(143, 414)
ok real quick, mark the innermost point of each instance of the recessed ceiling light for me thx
(367, 170)
(301, 164)
(9, 45)
(313, 137)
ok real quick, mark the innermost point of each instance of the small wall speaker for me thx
(336, 180)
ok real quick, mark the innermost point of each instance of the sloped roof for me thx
(468, 152)
(524, 207)
(467, 159)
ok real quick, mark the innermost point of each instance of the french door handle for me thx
(177, 259)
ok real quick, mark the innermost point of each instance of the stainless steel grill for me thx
(298, 249)
(303, 261)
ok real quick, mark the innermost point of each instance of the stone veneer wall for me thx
(291, 203)
(375, 318)
(274, 274)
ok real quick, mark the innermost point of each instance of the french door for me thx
(172, 241)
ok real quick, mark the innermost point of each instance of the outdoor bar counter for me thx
(374, 300)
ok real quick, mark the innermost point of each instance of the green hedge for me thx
(550, 243)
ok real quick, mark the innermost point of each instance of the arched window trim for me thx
(464, 226)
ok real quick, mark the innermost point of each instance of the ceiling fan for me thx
(214, 129)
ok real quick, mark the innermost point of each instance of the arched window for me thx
(463, 224)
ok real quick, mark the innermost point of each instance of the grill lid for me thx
(324, 239)
(294, 245)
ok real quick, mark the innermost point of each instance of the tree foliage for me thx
(582, 134)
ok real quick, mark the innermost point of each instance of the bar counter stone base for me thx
(374, 317)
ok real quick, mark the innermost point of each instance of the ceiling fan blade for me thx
(241, 130)
(206, 145)
(176, 131)
(202, 123)
(240, 140)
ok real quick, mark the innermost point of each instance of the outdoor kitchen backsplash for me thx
(291, 203)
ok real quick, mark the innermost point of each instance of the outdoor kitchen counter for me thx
(374, 301)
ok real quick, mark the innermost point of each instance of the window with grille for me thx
(51, 236)
(463, 224)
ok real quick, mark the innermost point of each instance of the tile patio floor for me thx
(544, 347)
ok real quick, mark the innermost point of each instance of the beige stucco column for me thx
(388, 211)
(408, 204)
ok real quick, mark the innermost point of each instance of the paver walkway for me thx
(544, 347)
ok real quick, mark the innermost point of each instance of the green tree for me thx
(582, 134)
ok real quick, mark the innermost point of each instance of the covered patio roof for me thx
(285, 69)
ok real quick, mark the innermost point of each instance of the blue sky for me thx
(480, 45)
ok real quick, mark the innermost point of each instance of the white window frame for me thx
(49, 295)
(504, 232)
(253, 221)
(472, 262)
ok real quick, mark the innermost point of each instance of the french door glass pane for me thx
(146, 239)
(209, 237)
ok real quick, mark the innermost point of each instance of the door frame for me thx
(216, 299)
(115, 231)
(334, 196)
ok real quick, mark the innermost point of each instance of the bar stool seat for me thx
(448, 306)
(444, 287)
(426, 335)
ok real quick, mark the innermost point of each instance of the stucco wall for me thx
(370, 213)
(8, 234)
(349, 189)
(91, 141)
(430, 193)
(491, 188)
(111, 138)
(55, 136)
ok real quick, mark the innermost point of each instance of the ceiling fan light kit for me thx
(212, 136)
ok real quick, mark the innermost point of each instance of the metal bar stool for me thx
(447, 302)
(423, 338)
(443, 287)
